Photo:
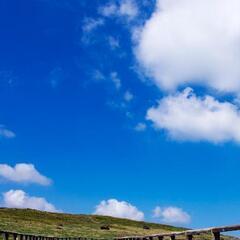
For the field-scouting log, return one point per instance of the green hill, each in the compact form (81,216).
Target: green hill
(69,225)
(72,225)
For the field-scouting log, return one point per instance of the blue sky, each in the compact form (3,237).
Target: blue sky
(123,100)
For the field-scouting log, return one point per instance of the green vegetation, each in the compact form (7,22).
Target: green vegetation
(69,225)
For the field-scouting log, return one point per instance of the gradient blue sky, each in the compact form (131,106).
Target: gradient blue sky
(72,122)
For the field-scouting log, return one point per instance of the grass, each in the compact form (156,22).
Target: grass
(69,225)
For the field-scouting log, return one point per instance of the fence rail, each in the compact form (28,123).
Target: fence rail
(189,234)
(215,231)
(25,236)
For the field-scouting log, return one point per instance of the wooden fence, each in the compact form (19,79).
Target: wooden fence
(215,231)
(20,236)
(189,234)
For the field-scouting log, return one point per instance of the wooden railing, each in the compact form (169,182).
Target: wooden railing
(189,234)
(20,236)
(215,231)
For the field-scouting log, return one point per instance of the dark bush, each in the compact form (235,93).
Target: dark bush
(105,227)
(146,227)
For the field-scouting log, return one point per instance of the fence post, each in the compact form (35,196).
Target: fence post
(5,236)
(15,236)
(216,235)
(189,237)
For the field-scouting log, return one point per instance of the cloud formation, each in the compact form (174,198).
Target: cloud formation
(91,24)
(121,209)
(6,133)
(171,215)
(184,116)
(187,42)
(125,8)
(23,173)
(19,199)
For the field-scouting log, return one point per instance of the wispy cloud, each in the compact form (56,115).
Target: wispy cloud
(128,96)
(116,80)
(6,133)
(127,9)
(97,75)
(113,42)
(140,127)
(90,24)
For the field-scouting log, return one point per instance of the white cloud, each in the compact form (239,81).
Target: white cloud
(121,209)
(19,199)
(171,215)
(140,127)
(187,117)
(116,80)
(23,173)
(125,8)
(109,9)
(128,8)
(6,133)
(187,41)
(128,96)
(91,24)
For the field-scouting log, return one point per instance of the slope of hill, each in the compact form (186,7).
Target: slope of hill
(69,225)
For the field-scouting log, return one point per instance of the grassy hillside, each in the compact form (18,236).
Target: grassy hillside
(58,224)
(69,225)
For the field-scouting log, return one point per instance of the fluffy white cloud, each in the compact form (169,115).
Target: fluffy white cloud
(124,8)
(187,41)
(171,215)
(121,209)
(19,199)
(187,117)
(6,133)
(23,173)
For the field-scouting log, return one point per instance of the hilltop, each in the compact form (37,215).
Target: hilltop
(74,225)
